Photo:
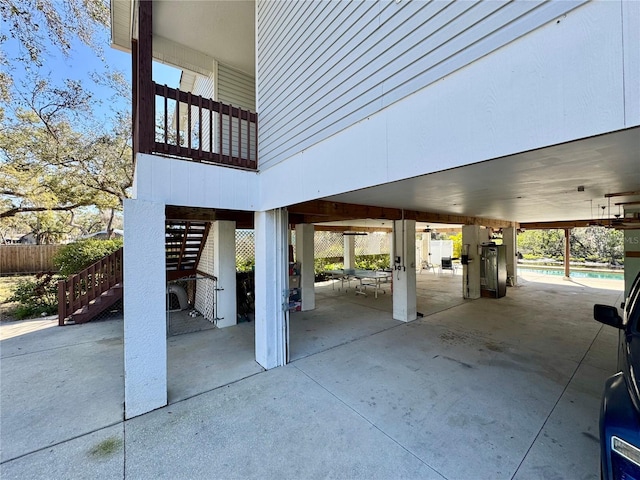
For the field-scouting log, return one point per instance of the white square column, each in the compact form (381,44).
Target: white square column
(404,274)
(224,269)
(473,236)
(510,241)
(349,242)
(145,321)
(271,284)
(304,255)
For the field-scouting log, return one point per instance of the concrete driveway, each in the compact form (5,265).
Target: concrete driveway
(492,388)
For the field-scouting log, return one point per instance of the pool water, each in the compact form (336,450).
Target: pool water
(574,273)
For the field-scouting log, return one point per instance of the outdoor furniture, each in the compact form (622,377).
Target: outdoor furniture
(367,278)
(342,275)
(446,263)
(427,266)
(371,278)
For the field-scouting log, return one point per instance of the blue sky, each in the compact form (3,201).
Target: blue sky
(82,62)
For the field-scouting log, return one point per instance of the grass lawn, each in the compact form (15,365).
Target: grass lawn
(6,289)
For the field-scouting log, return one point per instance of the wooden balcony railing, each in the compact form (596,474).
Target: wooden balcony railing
(203,130)
(80,289)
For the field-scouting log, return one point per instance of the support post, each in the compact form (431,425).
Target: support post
(472,235)
(567,253)
(224,268)
(349,253)
(271,284)
(145,95)
(304,254)
(510,241)
(404,275)
(145,324)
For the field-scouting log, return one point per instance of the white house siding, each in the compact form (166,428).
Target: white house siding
(203,86)
(566,80)
(238,89)
(323,66)
(234,88)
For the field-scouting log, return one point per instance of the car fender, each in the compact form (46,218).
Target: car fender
(618,417)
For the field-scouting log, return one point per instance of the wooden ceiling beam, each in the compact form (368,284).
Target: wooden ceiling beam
(318,211)
(619,224)
(558,225)
(344,228)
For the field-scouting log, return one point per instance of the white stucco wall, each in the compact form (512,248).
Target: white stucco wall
(180,182)
(145,327)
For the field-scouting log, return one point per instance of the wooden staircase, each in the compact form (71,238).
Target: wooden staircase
(87,294)
(184,242)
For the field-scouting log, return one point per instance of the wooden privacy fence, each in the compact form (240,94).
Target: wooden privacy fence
(27,258)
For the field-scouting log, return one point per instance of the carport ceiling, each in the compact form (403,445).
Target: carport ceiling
(535,186)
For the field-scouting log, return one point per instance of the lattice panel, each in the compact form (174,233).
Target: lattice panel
(375,243)
(328,244)
(245,246)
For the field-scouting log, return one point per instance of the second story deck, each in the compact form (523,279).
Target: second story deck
(177,123)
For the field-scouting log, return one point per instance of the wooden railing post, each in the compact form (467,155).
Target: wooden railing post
(62,302)
(146,94)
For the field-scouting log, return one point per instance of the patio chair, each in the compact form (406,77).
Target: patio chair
(427,266)
(447,264)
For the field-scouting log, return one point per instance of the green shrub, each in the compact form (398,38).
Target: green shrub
(246,265)
(372,262)
(323,264)
(75,257)
(35,297)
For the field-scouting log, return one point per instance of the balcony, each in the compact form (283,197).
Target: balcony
(171,122)
(203,130)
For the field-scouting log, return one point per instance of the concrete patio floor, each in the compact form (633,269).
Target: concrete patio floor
(490,388)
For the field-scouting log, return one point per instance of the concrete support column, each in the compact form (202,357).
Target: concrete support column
(304,255)
(271,280)
(510,241)
(426,247)
(349,251)
(404,277)
(567,252)
(472,236)
(145,323)
(224,268)
(631,258)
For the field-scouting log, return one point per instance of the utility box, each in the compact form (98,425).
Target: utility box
(493,271)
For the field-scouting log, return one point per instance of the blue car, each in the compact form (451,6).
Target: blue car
(620,413)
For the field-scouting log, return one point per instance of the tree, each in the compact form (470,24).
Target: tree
(592,244)
(59,164)
(39,24)
(50,164)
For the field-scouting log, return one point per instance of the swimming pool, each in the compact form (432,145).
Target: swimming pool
(575,273)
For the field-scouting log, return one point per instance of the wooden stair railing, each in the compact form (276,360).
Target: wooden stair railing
(184,242)
(79,290)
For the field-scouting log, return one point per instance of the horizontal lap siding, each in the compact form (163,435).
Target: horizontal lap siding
(203,86)
(323,66)
(238,89)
